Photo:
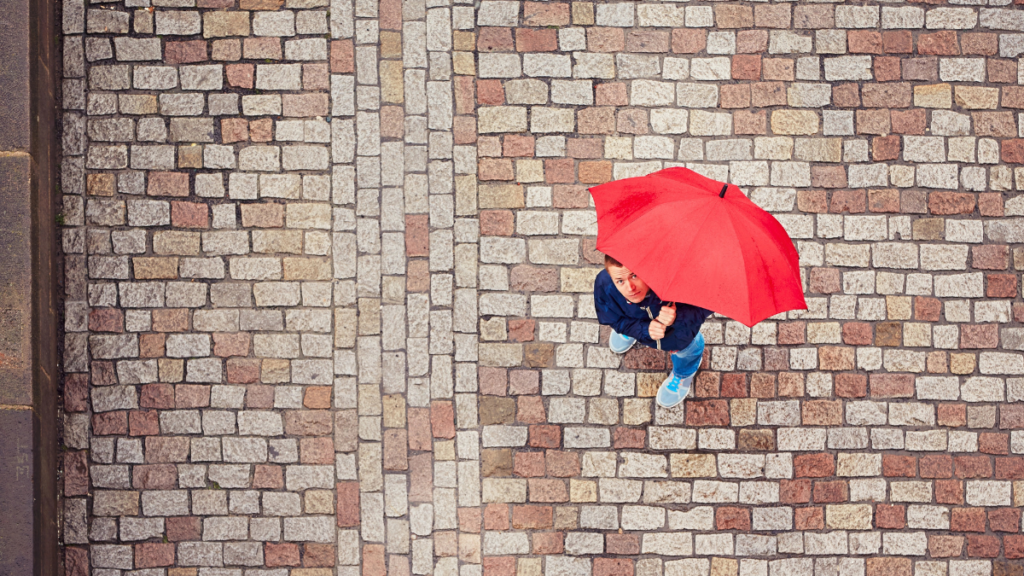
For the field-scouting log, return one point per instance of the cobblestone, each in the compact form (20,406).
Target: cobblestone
(398,368)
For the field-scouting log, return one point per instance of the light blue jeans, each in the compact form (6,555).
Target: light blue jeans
(686,361)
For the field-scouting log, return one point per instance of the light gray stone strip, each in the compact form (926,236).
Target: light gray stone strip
(453,239)
(358,466)
(73,245)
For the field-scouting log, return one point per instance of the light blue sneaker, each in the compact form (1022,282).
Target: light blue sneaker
(674,390)
(686,361)
(620,344)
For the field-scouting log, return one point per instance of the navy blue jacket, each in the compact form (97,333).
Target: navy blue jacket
(633,320)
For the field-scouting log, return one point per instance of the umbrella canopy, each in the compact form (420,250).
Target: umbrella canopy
(701,242)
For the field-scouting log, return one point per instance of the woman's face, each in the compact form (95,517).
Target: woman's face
(630,286)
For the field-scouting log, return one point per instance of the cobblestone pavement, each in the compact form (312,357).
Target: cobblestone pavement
(328,273)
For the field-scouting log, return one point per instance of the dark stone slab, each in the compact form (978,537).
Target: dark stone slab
(28,310)
(17,496)
(16,281)
(15,75)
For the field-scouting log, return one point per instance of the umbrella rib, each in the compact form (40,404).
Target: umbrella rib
(699,233)
(700,227)
(739,219)
(693,240)
(757,260)
(769,278)
(761,263)
(743,261)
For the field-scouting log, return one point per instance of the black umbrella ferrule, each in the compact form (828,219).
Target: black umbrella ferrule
(724,188)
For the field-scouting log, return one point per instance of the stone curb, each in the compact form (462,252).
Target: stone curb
(28,317)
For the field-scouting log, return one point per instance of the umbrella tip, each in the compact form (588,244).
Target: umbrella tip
(724,188)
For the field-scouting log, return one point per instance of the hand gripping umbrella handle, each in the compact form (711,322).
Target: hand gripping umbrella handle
(658,342)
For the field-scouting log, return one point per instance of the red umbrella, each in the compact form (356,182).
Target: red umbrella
(701,242)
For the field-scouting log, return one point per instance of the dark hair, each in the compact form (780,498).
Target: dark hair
(610,262)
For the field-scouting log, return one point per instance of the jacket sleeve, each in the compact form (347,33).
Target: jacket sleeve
(688,320)
(606,314)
